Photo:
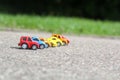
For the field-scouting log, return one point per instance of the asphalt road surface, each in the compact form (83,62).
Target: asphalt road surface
(85,58)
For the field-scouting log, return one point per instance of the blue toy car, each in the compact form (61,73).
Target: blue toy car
(42,44)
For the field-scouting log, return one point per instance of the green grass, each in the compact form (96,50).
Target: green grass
(61,24)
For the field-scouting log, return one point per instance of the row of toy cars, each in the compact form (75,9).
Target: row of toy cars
(56,40)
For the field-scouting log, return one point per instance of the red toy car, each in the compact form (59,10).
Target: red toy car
(27,43)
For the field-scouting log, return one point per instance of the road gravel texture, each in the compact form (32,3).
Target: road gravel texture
(85,58)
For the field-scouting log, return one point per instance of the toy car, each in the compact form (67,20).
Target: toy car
(55,41)
(27,43)
(42,44)
(50,42)
(46,41)
(62,38)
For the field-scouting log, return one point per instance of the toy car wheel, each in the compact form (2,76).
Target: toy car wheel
(58,44)
(64,43)
(42,46)
(24,46)
(34,47)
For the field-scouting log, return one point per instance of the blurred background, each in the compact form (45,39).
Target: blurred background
(85,16)
(96,9)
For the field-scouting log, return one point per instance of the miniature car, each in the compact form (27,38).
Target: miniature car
(27,43)
(50,42)
(42,44)
(55,41)
(62,38)
(46,41)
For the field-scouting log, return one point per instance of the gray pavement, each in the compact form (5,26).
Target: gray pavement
(85,58)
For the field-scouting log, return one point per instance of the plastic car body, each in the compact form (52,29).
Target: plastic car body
(27,43)
(62,38)
(42,43)
(46,41)
(55,41)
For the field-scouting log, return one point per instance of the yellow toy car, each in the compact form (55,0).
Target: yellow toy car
(49,42)
(55,41)
(62,38)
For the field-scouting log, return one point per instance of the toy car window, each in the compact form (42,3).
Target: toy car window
(29,39)
(53,39)
(42,39)
(24,39)
(58,36)
(62,37)
(36,39)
